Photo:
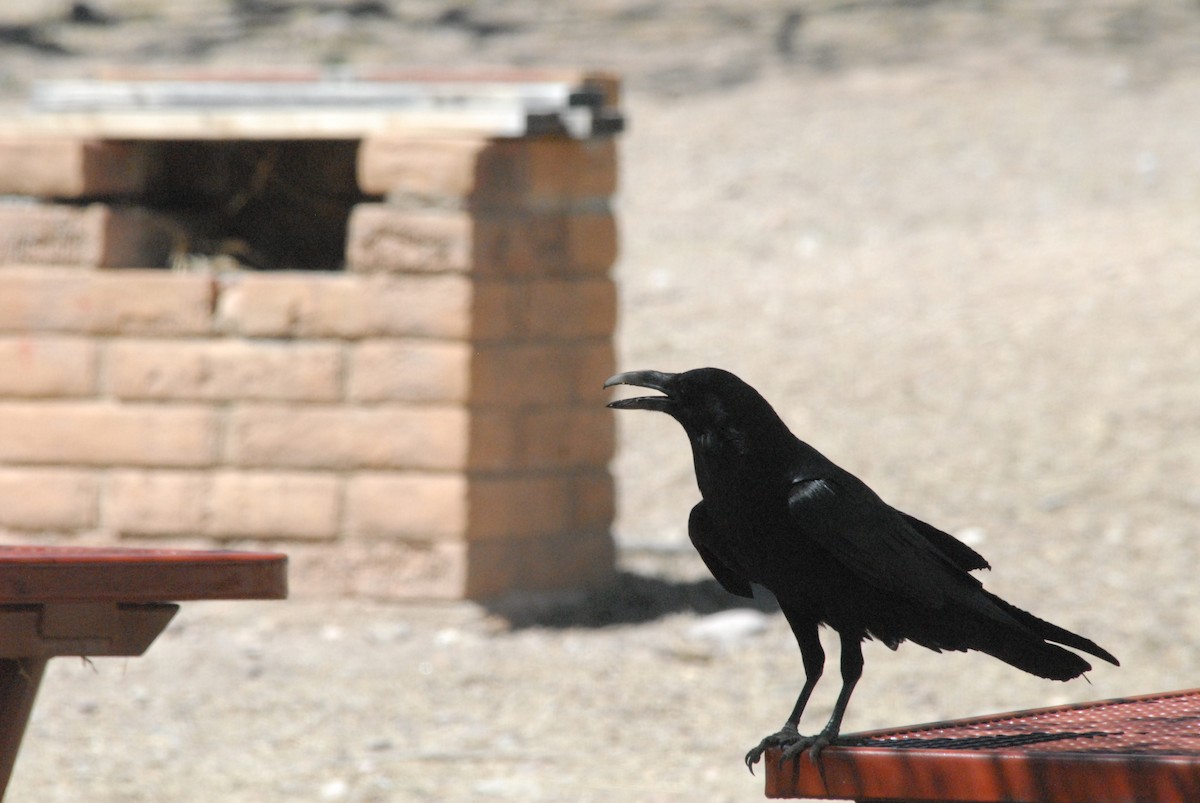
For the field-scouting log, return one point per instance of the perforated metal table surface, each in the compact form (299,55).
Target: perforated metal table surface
(1126,749)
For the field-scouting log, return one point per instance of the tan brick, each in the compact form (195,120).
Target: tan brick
(47,366)
(224,370)
(446,570)
(582,168)
(558,309)
(544,309)
(222,504)
(383,569)
(516,506)
(38,499)
(560,561)
(155,503)
(450,167)
(391,239)
(594,501)
(487,171)
(388,239)
(103,433)
(564,437)
(536,244)
(95,235)
(412,505)
(72,168)
(590,363)
(409,370)
(40,299)
(417,437)
(594,241)
(274,505)
(494,439)
(535,374)
(338,305)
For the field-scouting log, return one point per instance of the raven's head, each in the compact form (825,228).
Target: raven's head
(700,399)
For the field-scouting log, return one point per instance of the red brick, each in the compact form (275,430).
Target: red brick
(408,437)
(47,367)
(39,499)
(103,433)
(388,239)
(409,370)
(338,305)
(488,171)
(72,168)
(412,505)
(274,505)
(155,302)
(93,236)
(224,370)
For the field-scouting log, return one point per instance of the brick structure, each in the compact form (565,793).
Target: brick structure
(424,422)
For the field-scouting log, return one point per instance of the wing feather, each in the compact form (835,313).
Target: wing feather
(700,530)
(875,541)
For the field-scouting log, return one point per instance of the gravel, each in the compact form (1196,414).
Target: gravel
(957,244)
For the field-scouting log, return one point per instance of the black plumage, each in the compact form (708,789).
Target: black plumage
(776,512)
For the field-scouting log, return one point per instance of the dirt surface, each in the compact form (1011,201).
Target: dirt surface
(957,244)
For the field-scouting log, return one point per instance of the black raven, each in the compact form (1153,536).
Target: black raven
(777,512)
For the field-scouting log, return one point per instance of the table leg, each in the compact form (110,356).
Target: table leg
(19,681)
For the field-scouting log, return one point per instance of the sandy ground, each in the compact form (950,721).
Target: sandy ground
(957,244)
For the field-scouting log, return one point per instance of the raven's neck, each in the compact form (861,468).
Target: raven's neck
(734,459)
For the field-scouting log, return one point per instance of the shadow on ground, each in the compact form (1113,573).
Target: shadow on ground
(630,598)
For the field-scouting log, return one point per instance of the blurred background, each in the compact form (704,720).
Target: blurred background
(957,244)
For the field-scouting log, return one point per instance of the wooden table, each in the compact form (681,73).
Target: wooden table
(1126,749)
(90,602)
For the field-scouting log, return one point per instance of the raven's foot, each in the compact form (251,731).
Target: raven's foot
(793,744)
(787,738)
(814,744)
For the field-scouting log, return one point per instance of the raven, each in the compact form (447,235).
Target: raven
(776,512)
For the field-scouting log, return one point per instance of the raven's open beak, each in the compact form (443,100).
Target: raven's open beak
(655,380)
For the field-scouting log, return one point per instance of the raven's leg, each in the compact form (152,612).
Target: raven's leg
(852,668)
(813,657)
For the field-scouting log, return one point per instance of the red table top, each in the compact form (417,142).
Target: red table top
(1133,748)
(31,574)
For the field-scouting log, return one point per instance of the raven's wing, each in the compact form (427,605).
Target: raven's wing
(875,541)
(702,533)
(963,556)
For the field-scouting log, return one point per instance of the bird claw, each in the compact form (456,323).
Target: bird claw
(793,745)
(787,737)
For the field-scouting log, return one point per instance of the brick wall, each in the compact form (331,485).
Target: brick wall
(425,423)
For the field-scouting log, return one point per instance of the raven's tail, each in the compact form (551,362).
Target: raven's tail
(1028,647)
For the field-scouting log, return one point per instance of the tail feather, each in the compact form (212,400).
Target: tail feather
(1014,636)
(1052,632)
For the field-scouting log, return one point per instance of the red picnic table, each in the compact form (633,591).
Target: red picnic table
(103,601)
(1125,749)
